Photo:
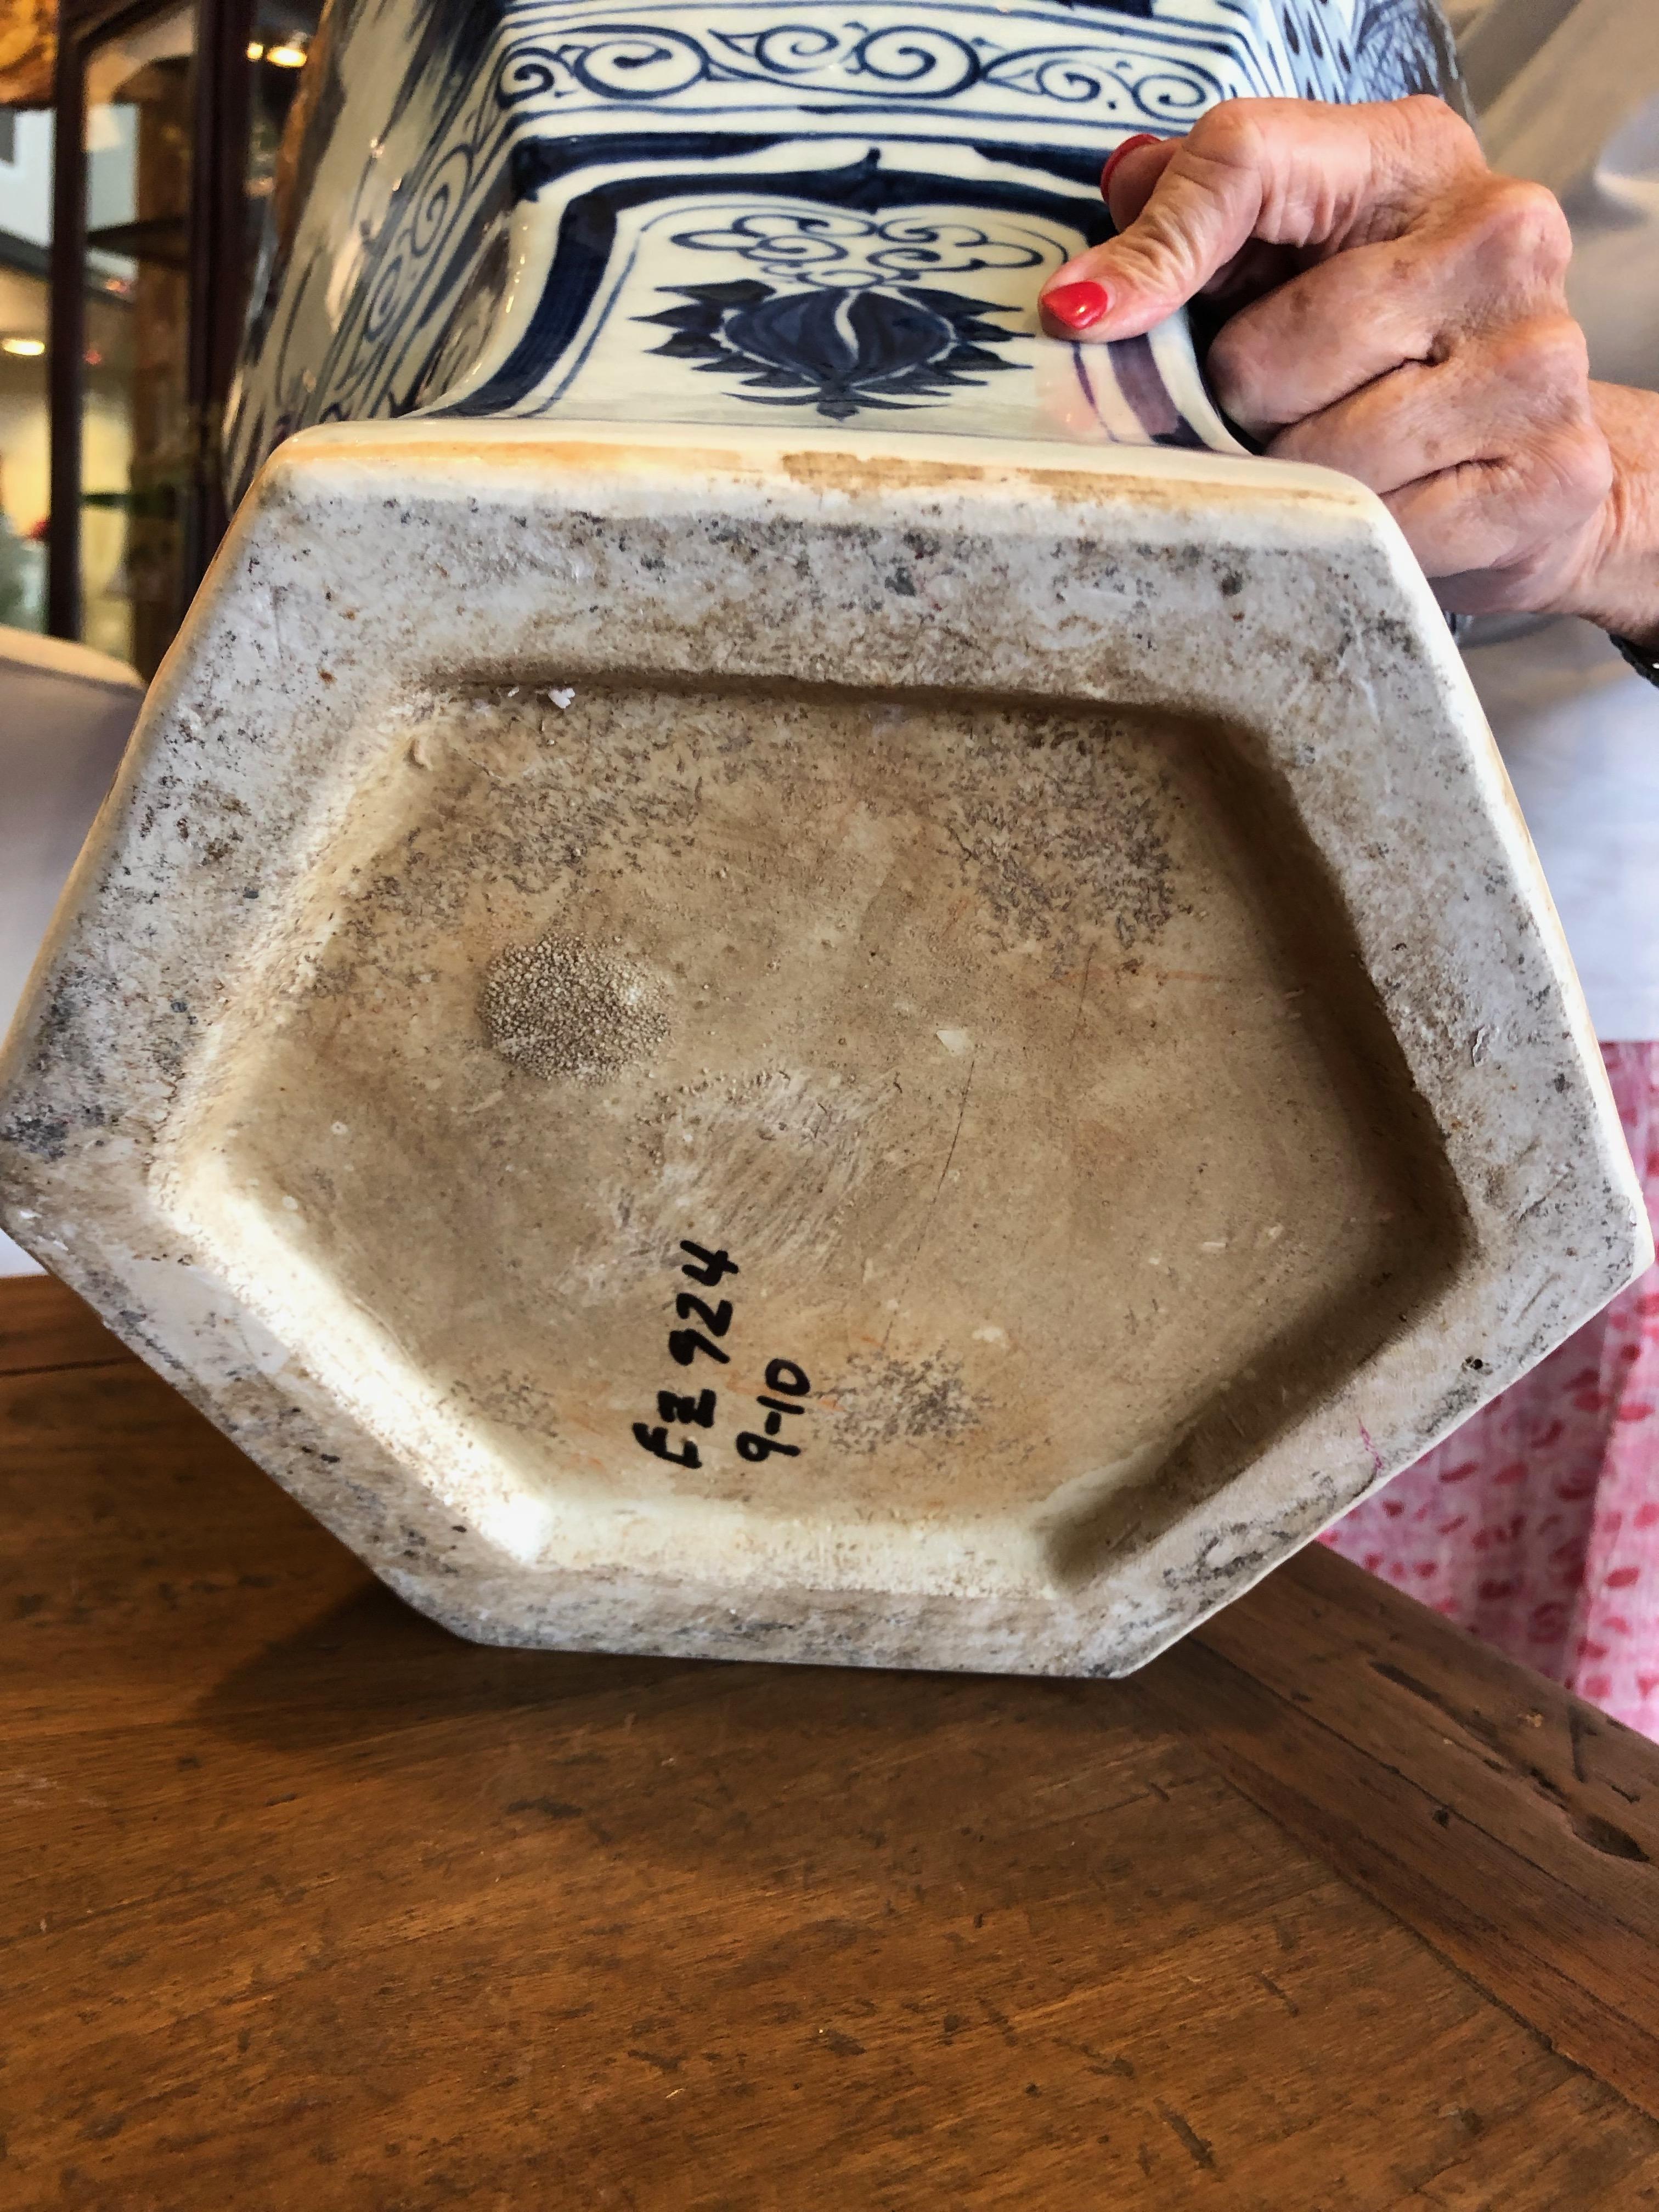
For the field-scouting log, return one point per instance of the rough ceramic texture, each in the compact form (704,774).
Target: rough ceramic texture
(1056,921)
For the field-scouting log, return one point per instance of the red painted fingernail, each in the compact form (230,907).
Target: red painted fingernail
(1140,138)
(1077,305)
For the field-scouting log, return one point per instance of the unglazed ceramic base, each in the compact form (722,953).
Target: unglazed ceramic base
(1010,990)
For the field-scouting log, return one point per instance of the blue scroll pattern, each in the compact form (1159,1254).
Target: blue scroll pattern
(1136,82)
(833,249)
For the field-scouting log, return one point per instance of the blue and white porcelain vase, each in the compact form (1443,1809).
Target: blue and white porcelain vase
(692,212)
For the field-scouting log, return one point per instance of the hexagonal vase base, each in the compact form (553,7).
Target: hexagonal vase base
(852,1048)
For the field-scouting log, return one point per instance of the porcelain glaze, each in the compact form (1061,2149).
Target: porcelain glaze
(801,976)
(691,213)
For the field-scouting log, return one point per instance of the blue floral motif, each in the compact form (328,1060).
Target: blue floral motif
(834,352)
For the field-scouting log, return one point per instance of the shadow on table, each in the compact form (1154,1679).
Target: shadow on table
(373,1664)
(1015,1790)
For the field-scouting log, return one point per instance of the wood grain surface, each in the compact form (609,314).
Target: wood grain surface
(306,1904)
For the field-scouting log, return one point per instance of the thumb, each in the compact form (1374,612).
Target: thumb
(1293,173)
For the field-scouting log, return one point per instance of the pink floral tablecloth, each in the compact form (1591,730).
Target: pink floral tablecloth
(1536,1524)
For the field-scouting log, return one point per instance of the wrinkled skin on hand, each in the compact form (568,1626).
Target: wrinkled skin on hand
(1396,311)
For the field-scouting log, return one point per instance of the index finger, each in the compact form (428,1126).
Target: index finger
(1293,173)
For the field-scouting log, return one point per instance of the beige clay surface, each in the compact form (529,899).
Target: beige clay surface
(987,1043)
(610,959)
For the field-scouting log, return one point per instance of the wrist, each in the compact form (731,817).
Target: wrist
(1618,587)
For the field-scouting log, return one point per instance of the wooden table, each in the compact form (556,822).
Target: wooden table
(309,1906)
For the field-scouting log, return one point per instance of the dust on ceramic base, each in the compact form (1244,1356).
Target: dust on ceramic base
(1111,1109)
(913,1012)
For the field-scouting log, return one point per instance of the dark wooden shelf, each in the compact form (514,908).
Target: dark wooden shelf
(163,239)
(1330,1910)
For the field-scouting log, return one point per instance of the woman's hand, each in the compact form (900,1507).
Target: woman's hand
(1401,315)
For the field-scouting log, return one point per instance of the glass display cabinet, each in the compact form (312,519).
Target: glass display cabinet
(170,116)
